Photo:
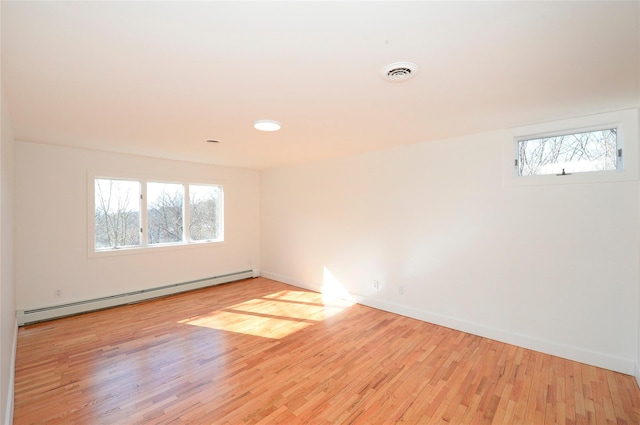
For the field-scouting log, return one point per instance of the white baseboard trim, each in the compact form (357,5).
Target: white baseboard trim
(582,355)
(8,417)
(637,374)
(26,316)
(285,279)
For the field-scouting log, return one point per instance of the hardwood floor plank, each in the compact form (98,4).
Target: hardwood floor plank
(262,352)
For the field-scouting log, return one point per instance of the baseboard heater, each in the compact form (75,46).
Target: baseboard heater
(26,317)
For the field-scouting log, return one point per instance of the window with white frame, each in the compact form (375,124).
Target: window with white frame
(138,214)
(117,213)
(165,213)
(205,218)
(565,154)
(590,149)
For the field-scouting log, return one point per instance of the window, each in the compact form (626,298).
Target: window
(205,219)
(165,213)
(590,149)
(138,214)
(564,154)
(117,213)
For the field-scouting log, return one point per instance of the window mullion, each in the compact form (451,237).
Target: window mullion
(186,215)
(143,214)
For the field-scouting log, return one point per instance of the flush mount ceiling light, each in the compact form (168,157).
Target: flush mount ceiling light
(399,71)
(266,125)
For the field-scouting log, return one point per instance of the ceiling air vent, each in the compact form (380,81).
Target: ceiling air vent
(399,71)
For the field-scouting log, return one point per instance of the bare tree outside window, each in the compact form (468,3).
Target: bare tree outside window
(205,212)
(573,153)
(117,213)
(165,203)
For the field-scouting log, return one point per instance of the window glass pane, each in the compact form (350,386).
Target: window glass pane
(164,212)
(205,212)
(573,153)
(117,213)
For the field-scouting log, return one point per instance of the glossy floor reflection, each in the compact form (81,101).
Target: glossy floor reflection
(262,352)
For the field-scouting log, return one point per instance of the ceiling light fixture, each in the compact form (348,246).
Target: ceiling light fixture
(266,125)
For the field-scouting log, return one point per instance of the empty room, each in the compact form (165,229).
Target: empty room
(320,212)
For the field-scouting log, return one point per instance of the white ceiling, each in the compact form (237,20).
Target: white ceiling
(160,78)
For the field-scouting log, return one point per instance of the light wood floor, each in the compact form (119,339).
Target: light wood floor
(262,352)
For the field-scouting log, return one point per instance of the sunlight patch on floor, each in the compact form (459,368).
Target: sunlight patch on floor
(266,327)
(273,316)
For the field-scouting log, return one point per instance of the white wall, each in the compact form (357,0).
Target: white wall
(52,212)
(8,325)
(637,368)
(550,267)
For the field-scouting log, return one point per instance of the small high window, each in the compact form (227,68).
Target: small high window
(565,154)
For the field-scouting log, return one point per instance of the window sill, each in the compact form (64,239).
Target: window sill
(151,249)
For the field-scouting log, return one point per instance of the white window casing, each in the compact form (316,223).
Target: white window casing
(193,222)
(621,126)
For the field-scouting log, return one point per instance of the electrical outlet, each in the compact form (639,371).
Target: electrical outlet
(401,289)
(376,284)
(58,293)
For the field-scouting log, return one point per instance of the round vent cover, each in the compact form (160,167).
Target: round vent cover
(399,71)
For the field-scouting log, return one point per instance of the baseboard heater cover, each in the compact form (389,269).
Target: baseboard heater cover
(26,317)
